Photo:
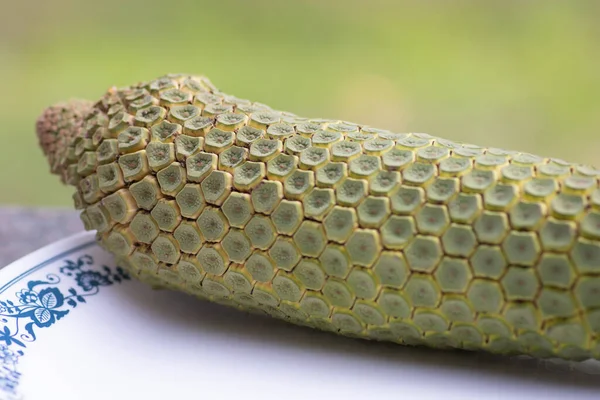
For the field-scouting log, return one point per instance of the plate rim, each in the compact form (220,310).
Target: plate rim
(68,244)
(12,345)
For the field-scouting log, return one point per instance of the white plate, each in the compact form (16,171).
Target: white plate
(74,327)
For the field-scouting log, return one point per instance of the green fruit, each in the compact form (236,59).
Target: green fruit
(402,237)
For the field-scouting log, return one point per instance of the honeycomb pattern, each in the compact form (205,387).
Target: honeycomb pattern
(402,237)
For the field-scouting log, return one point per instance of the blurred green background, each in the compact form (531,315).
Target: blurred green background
(522,75)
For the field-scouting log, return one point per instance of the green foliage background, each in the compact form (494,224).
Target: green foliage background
(515,74)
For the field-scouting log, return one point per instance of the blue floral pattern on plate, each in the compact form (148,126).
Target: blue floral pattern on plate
(41,303)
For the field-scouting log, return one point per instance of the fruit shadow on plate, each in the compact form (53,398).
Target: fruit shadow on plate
(186,312)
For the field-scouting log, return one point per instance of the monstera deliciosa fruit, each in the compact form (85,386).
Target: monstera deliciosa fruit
(368,233)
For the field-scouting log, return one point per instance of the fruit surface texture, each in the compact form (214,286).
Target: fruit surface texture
(402,237)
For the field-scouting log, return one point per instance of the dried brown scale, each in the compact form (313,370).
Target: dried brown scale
(402,237)
(58,126)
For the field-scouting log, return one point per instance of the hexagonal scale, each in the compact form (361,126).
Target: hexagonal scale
(453,275)
(424,253)
(281,166)
(213,259)
(364,246)
(287,217)
(364,166)
(331,174)
(457,309)
(313,158)
(432,219)
(287,287)
(232,158)
(587,291)
(190,200)
(488,262)
(391,269)
(213,224)
(465,207)
(171,179)
(521,248)
(260,231)
(200,165)
(423,291)
(216,187)
(338,293)
(485,295)
(146,192)
(383,183)
(459,240)
(363,283)
(351,191)
(144,228)
(188,236)
(134,166)
(555,303)
(166,214)
(238,209)
(556,270)
(237,279)
(110,177)
(120,241)
(418,174)
(310,274)
(430,321)
(236,245)
(310,238)
(189,269)
(260,266)
(166,248)
(120,205)
(491,227)
(585,255)
(394,304)
(557,235)
(406,199)
(247,135)
(284,253)
(369,313)
(527,215)
(217,140)
(318,202)
(265,149)
(520,283)
(522,316)
(335,260)
(315,305)
(266,196)
(298,184)
(340,223)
